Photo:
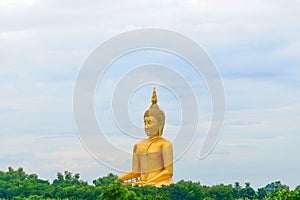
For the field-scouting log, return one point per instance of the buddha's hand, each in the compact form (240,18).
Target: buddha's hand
(145,183)
(141,182)
(150,183)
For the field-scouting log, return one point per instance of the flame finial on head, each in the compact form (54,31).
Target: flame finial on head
(154,97)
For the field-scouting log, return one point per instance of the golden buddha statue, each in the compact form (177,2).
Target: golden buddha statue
(152,161)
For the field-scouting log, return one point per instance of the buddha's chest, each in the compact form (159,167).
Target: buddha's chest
(149,147)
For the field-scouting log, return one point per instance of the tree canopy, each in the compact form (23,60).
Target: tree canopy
(16,184)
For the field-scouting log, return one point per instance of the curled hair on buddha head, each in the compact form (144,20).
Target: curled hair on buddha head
(155,112)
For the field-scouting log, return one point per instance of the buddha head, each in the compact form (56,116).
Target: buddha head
(154,118)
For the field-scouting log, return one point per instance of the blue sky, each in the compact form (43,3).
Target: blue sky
(254,44)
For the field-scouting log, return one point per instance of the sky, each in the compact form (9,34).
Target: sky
(254,45)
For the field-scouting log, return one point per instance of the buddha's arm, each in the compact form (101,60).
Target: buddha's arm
(129,175)
(167,157)
(135,173)
(164,174)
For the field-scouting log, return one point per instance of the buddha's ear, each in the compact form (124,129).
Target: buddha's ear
(160,130)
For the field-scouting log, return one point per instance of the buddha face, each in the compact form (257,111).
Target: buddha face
(151,126)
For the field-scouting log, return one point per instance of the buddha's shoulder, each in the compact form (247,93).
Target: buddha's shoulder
(147,141)
(163,140)
(141,143)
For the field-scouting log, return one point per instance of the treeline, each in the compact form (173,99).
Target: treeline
(16,184)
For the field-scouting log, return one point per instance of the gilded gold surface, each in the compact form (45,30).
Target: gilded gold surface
(152,160)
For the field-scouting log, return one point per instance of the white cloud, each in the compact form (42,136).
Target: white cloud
(8,3)
(254,44)
(290,50)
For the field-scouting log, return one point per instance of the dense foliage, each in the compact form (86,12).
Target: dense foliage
(16,184)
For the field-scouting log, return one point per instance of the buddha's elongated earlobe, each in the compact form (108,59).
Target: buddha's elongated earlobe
(160,131)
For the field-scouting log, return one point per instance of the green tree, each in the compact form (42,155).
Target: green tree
(247,192)
(271,187)
(236,190)
(145,190)
(280,194)
(261,193)
(69,186)
(220,192)
(106,180)
(68,179)
(184,190)
(116,190)
(296,193)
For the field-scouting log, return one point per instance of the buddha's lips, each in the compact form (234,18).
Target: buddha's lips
(148,131)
